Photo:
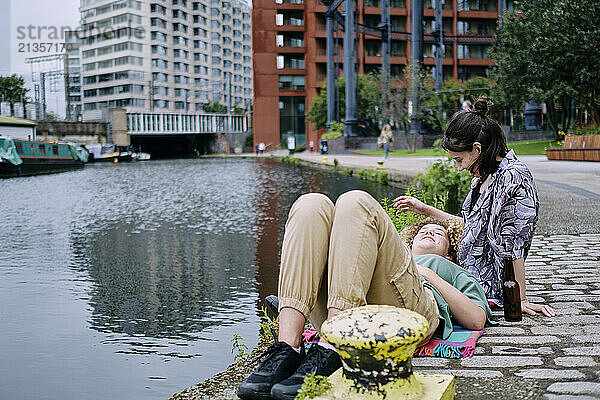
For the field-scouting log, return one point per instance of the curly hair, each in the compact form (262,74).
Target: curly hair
(454,229)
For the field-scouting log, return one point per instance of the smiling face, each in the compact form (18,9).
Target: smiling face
(431,239)
(465,159)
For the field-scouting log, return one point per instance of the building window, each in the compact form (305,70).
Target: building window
(472,51)
(158,63)
(290,61)
(161,23)
(160,104)
(466,73)
(291,82)
(160,90)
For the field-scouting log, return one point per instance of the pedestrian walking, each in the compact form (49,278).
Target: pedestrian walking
(385,139)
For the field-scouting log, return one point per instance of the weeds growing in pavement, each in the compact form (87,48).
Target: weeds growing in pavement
(269,327)
(313,386)
(238,348)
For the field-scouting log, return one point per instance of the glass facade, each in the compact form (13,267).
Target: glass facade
(292,119)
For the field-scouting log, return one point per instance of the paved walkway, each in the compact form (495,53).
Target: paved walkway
(569,191)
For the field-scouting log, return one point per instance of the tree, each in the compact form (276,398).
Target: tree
(12,89)
(547,51)
(51,116)
(215,107)
(399,93)
(369,99)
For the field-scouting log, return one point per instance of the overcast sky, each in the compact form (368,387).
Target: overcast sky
(44,17)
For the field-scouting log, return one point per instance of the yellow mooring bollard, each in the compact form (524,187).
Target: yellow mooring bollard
(376,344)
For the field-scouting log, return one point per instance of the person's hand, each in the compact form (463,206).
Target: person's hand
(409,203)
(424,271)
(531,308)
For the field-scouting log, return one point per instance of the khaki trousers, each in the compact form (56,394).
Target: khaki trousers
(347,255)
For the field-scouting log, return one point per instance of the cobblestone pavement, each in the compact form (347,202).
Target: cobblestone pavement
(539,357)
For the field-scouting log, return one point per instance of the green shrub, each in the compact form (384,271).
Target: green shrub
(336,130)
(362,173)
(299,149)
(331,135)
(290,160)
(587,130)
(249,141)
(402,219)
(442,180)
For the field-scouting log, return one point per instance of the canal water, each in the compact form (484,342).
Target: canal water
(128,281)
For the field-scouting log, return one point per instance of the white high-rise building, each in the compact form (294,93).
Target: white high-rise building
(164,55)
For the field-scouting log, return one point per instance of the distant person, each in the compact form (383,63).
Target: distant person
(256,149)
(311,145)
(385,139)
(501,210)
(261,147)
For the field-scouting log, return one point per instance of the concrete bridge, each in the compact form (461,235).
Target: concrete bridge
(178,134)
(185,124)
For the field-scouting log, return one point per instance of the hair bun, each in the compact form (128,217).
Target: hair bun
(481,106)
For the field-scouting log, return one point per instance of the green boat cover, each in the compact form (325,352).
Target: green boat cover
(78,152)
(8,151)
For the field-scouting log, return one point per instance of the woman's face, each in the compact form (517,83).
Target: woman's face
(431,239)
(465,159)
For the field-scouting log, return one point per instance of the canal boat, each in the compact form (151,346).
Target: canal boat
(109,152)
(141,156)
(19,157)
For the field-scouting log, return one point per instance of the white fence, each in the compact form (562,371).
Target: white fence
(172,123)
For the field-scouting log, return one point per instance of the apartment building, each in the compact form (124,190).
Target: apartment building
(290,53)
(164,55)
(72,72)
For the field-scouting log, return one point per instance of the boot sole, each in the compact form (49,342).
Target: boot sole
(248,394)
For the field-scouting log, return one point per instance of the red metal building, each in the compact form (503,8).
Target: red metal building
(290,57)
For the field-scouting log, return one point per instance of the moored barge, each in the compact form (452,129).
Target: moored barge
(20,157)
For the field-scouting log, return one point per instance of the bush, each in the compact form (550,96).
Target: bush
(249,141)
(402,219)
(336,130)
(442,180)
(587,130)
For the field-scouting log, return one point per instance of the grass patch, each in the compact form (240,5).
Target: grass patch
(522,148)
(430,152)
(532,147)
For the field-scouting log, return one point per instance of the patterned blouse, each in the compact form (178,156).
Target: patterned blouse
(500,224)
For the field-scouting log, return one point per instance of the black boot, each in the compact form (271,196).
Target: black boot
(319,360)
(279,363)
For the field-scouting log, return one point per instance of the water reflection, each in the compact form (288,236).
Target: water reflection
(169,282)
(280,186)
(115,275)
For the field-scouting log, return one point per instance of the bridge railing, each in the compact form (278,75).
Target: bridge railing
(174,123)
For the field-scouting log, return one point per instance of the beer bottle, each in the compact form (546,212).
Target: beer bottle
(511,293)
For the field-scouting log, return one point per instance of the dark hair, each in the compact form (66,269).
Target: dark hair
(469,126)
